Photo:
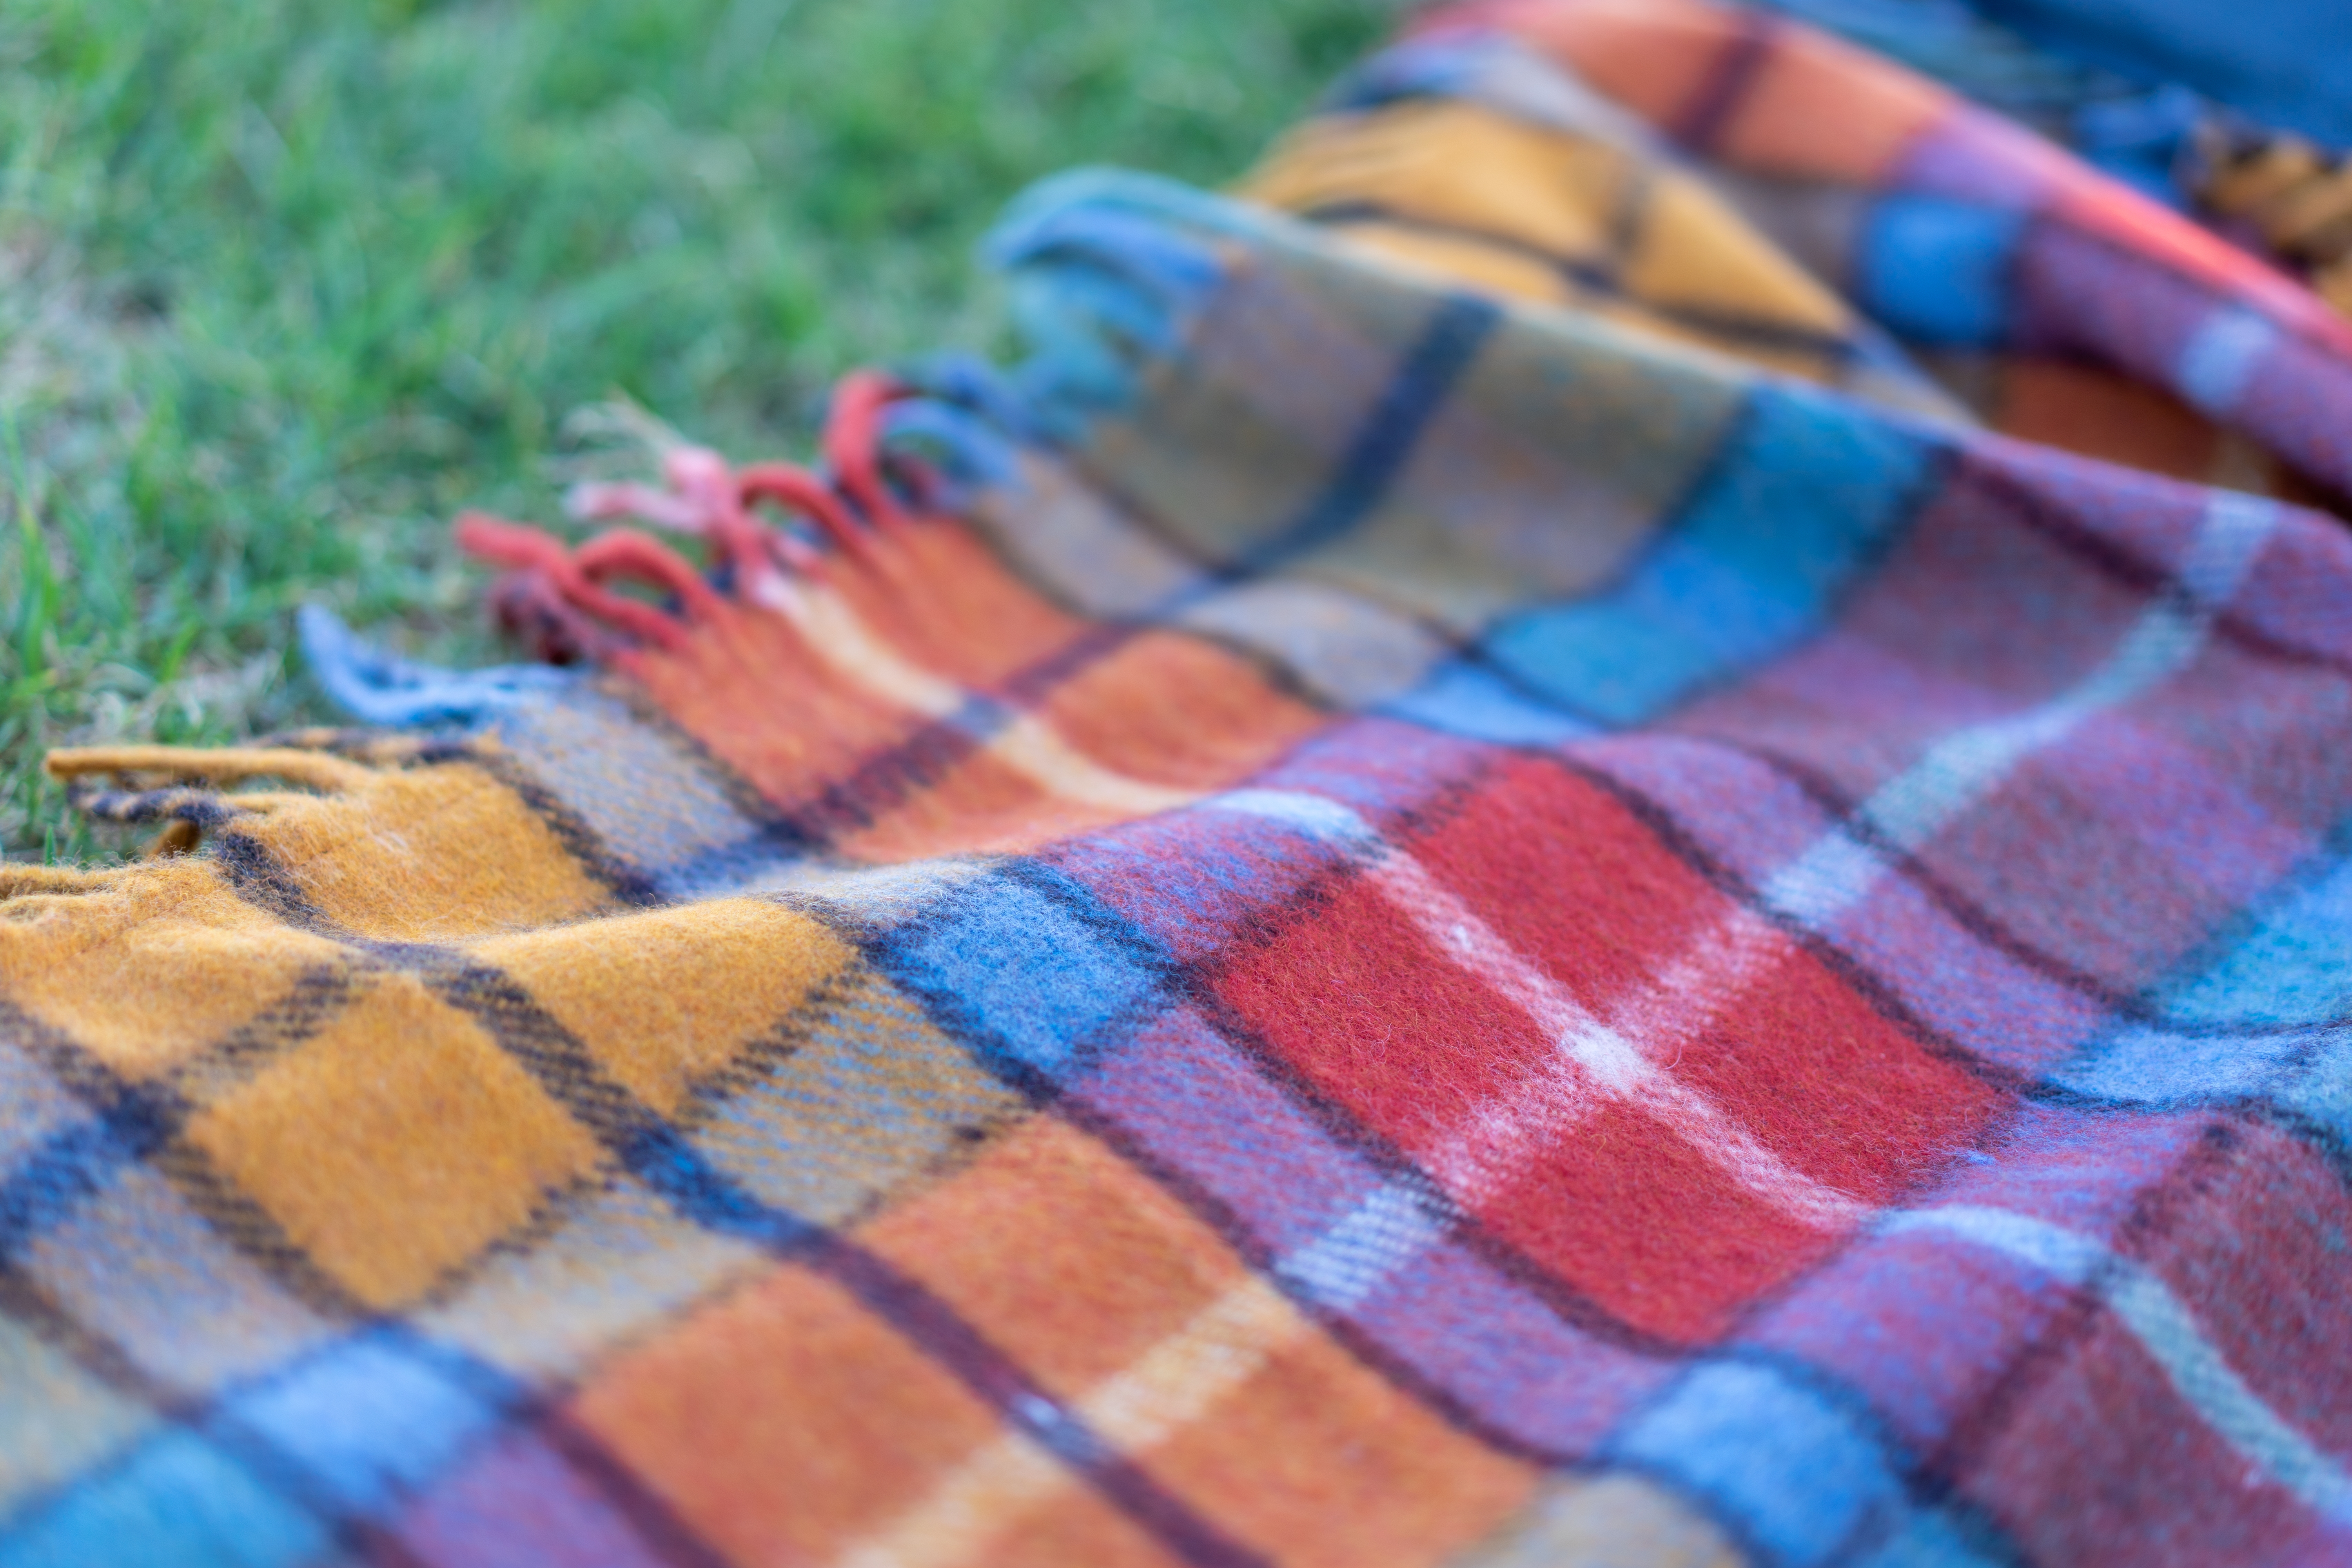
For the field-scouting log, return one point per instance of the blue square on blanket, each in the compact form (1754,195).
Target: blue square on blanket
(368,1419)
(1027,967)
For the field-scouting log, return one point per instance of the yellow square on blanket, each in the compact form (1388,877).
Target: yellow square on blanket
(396,1144)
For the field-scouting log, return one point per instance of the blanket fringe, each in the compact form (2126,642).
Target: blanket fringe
(225,765)
(177,785)
(23,881)
(562,601)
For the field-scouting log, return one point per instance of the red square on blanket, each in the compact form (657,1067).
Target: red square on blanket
(1656,1097)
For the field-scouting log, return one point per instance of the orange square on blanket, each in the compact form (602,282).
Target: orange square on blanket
(1068,1259)
(1177,711)
(785,1420)
(1153,1335)
(1775,124)
(2096,412)
(1655,56)
(940,601)
(1324,1463)
(1151,726)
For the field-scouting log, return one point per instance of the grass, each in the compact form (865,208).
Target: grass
(285,283)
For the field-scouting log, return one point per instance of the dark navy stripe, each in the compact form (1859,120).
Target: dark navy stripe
(1709,114)
(626,883)
(884,781)
(76,1164)
(132,1122)
(1194,985)
(657,1154)
(729,865)
(255,875)
(139,1122)
(896,774)
(273,1463)
(198,807)
(1732,326)
(1386,439)
(980,718)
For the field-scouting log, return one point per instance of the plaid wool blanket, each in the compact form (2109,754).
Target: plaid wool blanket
(1472,879)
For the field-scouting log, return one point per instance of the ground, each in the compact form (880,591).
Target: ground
(285,283)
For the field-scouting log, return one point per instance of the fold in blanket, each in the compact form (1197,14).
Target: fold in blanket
(1471,880)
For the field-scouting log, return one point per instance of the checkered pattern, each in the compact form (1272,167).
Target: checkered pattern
(1424,932)
(1622,149)
(1480,161)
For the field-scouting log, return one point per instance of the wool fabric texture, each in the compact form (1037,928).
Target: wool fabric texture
(1470,880)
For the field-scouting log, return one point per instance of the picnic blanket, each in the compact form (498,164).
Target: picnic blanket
(2107,74)
(2265,162)
(1762,189)
(1508,901)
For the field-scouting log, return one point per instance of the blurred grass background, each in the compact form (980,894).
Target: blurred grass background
(285,283)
